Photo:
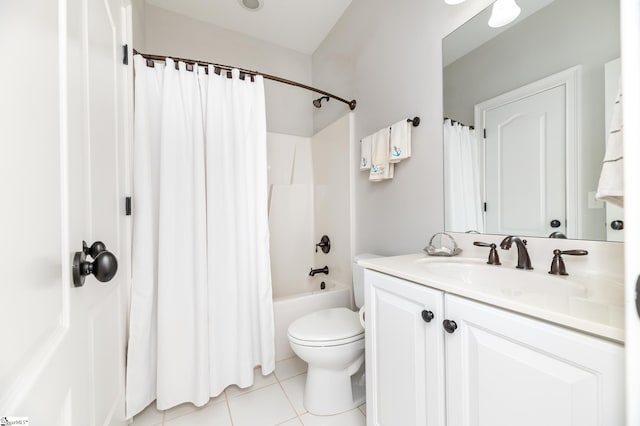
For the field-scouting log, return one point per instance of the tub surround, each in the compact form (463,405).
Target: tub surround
(595,303)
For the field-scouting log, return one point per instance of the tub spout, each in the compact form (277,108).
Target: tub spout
(324,270)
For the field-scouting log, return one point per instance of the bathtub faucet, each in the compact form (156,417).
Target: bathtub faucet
(324,270)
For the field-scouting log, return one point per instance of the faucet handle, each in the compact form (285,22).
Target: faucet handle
(494,259)
(557,264)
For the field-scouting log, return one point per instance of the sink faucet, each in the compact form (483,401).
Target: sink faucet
(324,270)
(524,262)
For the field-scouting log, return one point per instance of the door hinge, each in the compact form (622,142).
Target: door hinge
(127,206)
(484,207)
(484,133)
(125,54)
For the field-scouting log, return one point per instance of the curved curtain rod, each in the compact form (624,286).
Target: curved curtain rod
(456,121)
(351,103)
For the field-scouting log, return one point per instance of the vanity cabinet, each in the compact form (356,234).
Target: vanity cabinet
(404,353)
(491,368)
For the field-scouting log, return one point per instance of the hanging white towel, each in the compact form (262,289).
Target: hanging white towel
(611,185)
(365,152)
(400,142)
(381,169)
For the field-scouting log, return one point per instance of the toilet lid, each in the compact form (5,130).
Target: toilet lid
(327,325)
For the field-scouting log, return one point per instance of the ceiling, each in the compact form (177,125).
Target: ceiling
(300,25)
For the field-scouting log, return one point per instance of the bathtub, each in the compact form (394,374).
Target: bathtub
(289,308)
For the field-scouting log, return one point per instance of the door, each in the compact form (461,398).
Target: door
(63,124)
(630,51)
(404,352)
(525,165)
(504,369)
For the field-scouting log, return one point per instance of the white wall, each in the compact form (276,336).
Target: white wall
(289,109)
(388,56)
(138,23)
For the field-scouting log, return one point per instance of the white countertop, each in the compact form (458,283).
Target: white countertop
(589,303)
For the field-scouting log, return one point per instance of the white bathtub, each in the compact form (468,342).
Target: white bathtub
(289,308)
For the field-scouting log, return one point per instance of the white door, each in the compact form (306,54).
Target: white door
(404,353)
(525,165)
(614,214)
(504,369)
(63,126)
(630,51)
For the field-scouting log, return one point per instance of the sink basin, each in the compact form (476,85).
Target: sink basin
(503,279)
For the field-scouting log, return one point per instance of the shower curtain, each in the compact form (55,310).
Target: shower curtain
(463,179)
(201,306)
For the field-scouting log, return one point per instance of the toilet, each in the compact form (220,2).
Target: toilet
(331,341)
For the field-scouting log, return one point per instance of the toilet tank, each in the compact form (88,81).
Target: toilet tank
(358,277)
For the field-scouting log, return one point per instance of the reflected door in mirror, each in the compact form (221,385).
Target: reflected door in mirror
(525,165)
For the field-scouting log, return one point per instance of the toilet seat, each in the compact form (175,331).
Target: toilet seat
(328,327)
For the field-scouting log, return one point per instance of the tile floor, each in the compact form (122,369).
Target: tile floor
(272,400)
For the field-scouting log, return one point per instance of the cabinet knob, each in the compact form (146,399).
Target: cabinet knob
(449,326)
(427,316)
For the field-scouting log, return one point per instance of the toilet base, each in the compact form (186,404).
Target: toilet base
(329,392)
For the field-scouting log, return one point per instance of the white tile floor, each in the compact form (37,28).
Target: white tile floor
(272,400)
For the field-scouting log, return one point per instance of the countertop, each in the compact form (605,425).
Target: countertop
(590,303)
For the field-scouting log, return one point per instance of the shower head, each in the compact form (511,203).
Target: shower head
(318,102)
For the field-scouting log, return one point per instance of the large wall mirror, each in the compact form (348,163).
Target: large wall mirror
(528,108)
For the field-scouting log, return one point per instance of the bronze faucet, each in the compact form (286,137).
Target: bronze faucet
(524,262)
(324,270)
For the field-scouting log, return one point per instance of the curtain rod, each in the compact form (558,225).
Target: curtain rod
(456,121)
(351,103)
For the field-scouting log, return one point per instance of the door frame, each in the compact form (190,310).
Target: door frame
(630,53)
(570,78)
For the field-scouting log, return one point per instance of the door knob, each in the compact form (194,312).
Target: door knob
(427,316)
(103,267)
(449,326)
(95,248)
(555,223)
(617,225)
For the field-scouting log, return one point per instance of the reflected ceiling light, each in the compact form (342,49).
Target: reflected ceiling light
(452,2)
(251,5)
(503,13)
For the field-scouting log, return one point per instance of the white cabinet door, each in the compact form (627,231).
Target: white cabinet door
(504,369)
(404,353)
(63,124)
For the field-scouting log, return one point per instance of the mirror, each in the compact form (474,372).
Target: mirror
(543,89)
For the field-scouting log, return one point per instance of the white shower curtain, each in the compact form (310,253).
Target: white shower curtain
(201,306)
(463,179)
